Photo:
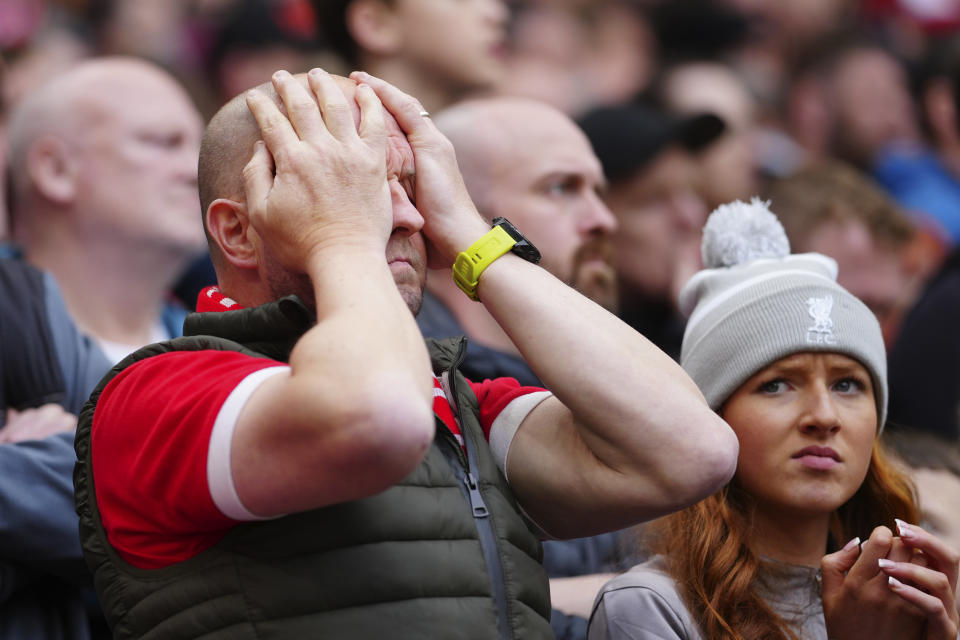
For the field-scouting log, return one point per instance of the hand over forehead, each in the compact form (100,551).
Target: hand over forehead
(348,88)
(232,132)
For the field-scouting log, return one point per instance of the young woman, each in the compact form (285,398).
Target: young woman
(796,366)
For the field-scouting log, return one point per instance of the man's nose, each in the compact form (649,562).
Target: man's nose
(596,218)
(406,217)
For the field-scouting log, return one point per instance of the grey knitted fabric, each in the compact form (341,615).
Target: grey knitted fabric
(746,316)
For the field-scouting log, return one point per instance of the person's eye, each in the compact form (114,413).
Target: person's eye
(778,385)
(849,385)
(562,187)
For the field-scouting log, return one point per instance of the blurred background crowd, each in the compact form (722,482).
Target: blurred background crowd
(844,114)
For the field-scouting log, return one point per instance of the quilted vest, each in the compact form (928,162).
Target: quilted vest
(442,554)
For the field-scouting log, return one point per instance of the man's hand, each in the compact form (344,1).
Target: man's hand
(451,221)
(36,424)
(315,181)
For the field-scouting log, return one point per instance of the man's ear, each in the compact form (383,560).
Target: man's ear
(52,169)
(373,25)
(229,227)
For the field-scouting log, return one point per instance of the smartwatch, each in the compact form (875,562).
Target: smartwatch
(503,237)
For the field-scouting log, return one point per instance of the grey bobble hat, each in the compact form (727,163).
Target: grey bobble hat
(755,303)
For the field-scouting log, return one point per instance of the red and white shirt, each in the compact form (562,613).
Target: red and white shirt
(161,441)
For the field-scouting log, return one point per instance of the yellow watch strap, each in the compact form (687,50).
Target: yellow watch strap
(470,263)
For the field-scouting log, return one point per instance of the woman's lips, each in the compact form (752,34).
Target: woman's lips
(820,458)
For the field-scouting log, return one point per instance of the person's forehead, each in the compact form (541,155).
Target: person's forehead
(539,143)
(140,101)
(400,162)
(811,360)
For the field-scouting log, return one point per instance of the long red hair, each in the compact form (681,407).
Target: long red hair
(710,552)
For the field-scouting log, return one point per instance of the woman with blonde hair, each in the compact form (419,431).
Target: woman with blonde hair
(796,365)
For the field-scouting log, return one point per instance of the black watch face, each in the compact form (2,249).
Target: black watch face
(527,251)
(524,248)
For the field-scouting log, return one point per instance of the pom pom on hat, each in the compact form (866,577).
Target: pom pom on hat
(741,232)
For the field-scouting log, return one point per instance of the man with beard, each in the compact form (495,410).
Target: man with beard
(528,162)
(302,464)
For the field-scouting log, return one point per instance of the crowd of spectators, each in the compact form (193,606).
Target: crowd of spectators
(605,130)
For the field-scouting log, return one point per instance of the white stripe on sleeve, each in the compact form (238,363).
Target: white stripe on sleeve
(505,426)
(219,473)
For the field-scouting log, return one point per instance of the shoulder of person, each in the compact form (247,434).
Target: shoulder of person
(642,602)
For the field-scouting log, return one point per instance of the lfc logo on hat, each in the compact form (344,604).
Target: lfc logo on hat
(822,330)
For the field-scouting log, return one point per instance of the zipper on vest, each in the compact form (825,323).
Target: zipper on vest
(476,499)
(488,537)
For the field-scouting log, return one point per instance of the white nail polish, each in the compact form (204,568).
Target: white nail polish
(893,582)
(885,564)
(904,529)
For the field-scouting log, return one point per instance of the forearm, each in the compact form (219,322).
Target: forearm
(365,335)
(633,409)
(354,414)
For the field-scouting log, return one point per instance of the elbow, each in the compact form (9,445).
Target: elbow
(721,461)
(711,464)
(398,429)
(412,429)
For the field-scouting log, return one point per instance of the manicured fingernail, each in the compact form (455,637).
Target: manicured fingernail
(904,530)
(893,582)
(851,544)
(277,75)
(885,564)
(316,72)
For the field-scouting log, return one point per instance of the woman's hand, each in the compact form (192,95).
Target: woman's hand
(857,599)
(928,580)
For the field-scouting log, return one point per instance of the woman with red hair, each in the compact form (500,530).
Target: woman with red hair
(796,365)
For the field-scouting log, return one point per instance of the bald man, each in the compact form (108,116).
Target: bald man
(526,161)
(103,183)
(301,464)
